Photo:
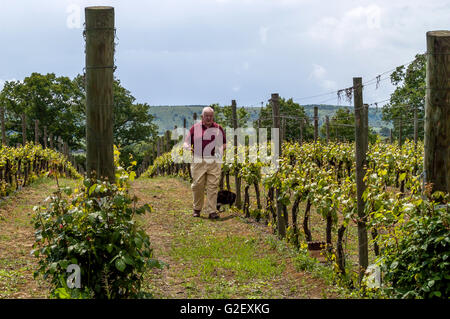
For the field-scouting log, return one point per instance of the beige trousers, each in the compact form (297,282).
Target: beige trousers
(207,175)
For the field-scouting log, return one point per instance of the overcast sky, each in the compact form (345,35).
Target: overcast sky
(174,52)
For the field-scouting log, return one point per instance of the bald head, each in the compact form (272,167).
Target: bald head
(208,116)
(207,109)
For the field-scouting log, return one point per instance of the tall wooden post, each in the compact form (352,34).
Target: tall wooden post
(158,146)
(316,123)
(281,225)
(360,158)
(45,136)
(100,34)
(391,136)
(167,141)
(283,129)
(327,126)
(36,132)
(66,149)
(400,132)
(2,115)
(236,178)
(437,111)
(24,129)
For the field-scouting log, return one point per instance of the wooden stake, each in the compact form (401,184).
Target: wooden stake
(360,172)
(45,137)
(437,111)
(281,225)
(236,177)
(99,92)
(36,132)
(327,126)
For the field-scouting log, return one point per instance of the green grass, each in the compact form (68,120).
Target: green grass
(225,266)
(16,237)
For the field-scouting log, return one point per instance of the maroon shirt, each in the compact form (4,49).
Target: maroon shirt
(199,133)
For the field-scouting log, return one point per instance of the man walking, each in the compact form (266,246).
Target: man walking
(207,141)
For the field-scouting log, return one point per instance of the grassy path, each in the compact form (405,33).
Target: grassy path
(17,237)
(225,258)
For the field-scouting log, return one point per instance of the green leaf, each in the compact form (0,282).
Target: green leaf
(92,189)
(437,293)
(138,242)
(128,260)
(120,264)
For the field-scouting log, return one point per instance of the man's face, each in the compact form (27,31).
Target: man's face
(208,118)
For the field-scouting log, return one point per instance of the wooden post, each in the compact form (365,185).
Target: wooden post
(45,136)
(236,178)
(158,146)
(391,136)
(316,123)
(2,115)
(281,226)
(167,141)
(100,34)
(327,126)
(360,158)
(66,149)
(36,132)
(400,131)
(24,129)
(283,129)
(437,112)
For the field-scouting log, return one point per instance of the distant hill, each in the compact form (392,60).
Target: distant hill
(166,117)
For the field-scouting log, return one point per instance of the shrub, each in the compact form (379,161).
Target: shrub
(93,227)
(418,267)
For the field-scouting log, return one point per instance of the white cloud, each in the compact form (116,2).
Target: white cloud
(359,27)
(318,75)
